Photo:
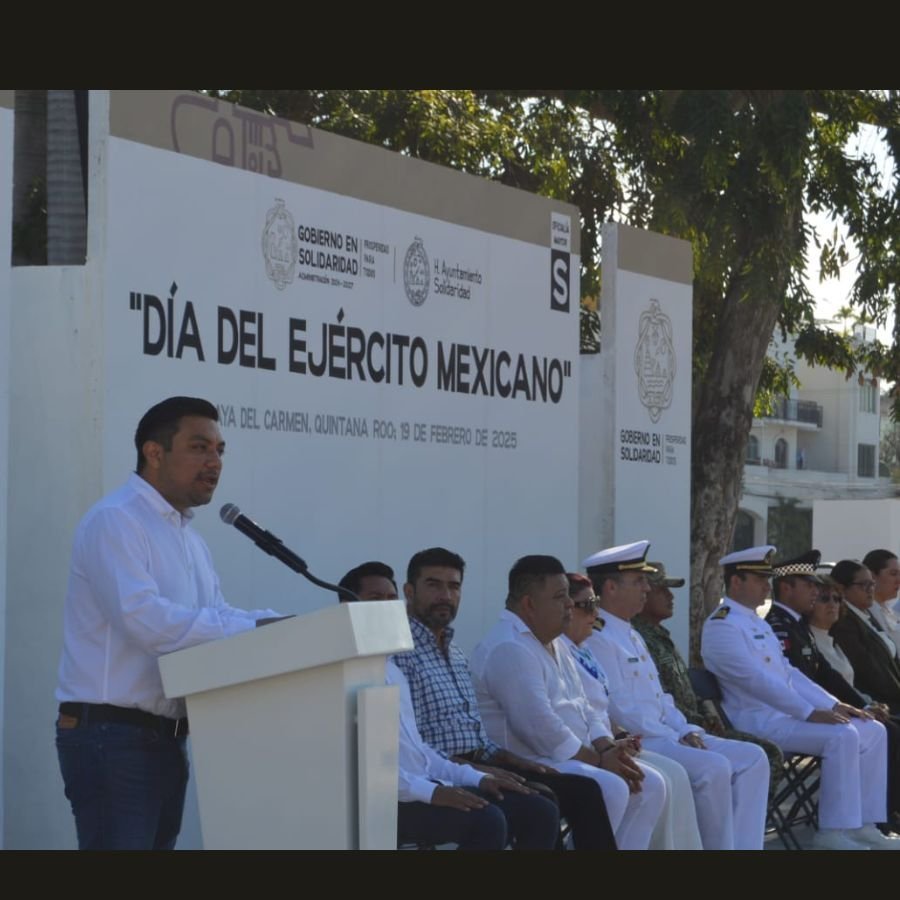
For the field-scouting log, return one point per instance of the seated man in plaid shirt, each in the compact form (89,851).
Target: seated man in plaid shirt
(446,709)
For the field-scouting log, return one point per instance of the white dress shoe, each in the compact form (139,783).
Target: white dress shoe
(874,839)
(837,839)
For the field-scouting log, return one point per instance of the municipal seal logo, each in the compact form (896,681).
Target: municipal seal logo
(279,245)
(654,360)
(416,273)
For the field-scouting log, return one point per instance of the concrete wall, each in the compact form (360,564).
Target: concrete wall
(74,398)
(849,529)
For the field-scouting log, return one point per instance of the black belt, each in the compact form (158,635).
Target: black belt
(89,713)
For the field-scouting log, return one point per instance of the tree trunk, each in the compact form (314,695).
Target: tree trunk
(723,416)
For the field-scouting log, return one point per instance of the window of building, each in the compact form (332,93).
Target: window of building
(743,531)
(789,528)
(752,456)
(781,453)
(865,460)
(868,396)
(50,178)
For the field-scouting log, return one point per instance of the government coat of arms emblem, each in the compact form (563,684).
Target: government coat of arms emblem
(280,245)
(654,360)
(416,273)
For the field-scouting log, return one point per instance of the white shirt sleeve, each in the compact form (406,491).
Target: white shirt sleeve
(422,769)
(115,559)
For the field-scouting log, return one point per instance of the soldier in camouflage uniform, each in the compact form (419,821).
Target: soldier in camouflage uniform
(673,673)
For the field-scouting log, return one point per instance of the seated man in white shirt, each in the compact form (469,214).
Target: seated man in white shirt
(730,779)
(532,701)
(441,802)
(764,694)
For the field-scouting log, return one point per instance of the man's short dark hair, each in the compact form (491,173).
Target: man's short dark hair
(434,556)
(352,581)
(160,423)
(846,570)
(876,560)
(529,572)
(598,579)
(778,581)
(730,572)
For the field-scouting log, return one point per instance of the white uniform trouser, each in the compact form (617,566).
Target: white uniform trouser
(853,789)
(632,816)
(676,828)
(730,781)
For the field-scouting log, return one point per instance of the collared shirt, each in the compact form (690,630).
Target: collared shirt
(442,694)
(637,699)
(673,673)
(421,768)
(835,656)
(531,696)
(758,683)
(865,616)
(884,614)
(593,680)
(141,584)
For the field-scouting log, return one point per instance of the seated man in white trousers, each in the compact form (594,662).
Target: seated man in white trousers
(730,779)
(532,701)
(764,694)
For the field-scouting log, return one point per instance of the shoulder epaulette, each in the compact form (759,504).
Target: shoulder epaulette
(721,612)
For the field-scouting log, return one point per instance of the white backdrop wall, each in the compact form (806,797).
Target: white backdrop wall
(642,484)
(205,231)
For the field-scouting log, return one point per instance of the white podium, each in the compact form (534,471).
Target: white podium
(294,732)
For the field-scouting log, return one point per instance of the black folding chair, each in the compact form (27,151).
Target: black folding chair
(795,800)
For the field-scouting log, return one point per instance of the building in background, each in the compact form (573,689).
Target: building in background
(819,443)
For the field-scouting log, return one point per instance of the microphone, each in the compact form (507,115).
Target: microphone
(265,540)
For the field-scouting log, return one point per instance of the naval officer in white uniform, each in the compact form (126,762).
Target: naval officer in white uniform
(764,694)
(730,779)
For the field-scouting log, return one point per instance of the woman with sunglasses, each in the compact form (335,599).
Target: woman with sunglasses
(862,639)
(826,610)
(676,828)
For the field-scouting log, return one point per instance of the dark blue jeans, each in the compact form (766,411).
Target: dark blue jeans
(478,829)
(126,785)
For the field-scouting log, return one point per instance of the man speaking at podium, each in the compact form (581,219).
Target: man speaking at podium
(141,584)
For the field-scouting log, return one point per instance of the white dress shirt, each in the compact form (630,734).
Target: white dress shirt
(834,656)
(422,769)
(886,616)
(141,584)
(637,699)
(593,680)
(879,617)
(531,697)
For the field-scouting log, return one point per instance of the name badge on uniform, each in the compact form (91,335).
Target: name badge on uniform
(759,637)
(807,651)
(632,659)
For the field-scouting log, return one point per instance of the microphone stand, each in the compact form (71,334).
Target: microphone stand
(275,547)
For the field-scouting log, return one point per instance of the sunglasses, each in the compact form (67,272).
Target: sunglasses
(830,598)
(589,605)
